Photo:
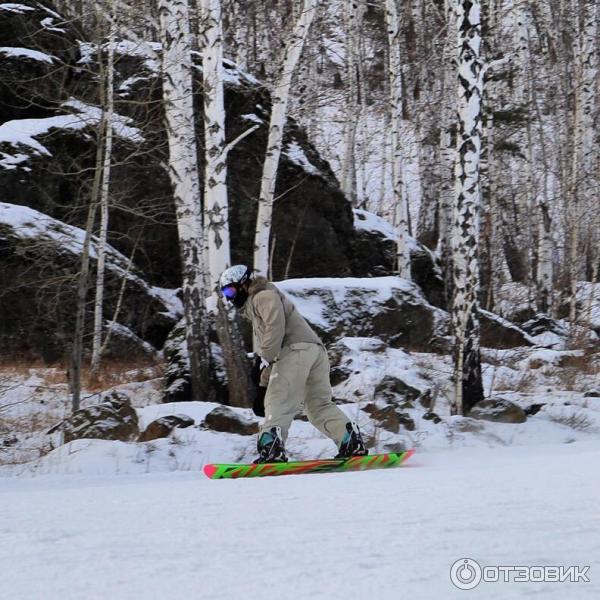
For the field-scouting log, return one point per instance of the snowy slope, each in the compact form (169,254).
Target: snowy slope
(382,535)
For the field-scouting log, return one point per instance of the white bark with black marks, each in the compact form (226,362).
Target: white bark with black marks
(106,125)
(279,104)
(183,170)
(396,121)
(466,213)
(216,204)
(585,147)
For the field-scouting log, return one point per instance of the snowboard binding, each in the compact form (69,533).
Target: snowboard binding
(352,444)
(270,447)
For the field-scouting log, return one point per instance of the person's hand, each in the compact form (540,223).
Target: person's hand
(263,363)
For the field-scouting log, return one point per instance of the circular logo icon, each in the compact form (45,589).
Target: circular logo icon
(465,573)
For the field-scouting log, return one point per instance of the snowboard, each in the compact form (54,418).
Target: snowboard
(328,465)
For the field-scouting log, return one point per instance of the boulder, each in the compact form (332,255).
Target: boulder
(431,416)
(388,308)
(390,418)
(389,389)
(546,331)
(534,409)
(39,53)
(113,419)
(498,410)
(162,428)
(224,419)
(374,255)
(497,332)
(39,262)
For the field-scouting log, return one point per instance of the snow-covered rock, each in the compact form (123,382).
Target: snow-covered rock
(112,419)
(389,308)
(38,274)
(498,410)
(497,332)
(163,427)
(228,420)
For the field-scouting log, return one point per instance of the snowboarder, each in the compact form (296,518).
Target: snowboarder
(294,367)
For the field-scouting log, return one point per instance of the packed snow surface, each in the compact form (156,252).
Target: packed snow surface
(380,534)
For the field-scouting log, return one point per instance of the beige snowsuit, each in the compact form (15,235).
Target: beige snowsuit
(300,367)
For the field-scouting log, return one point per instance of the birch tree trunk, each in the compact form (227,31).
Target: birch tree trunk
(544,275)
(584,143)
(183,170)
(465,235)
(106,126)
(279,103)
(74,374)
(216,204)
(447,150)
(396,118)
(353,18)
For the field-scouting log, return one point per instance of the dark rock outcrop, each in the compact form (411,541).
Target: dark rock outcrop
(226,420)
(162,428)
(33,83)
(394,390)
(497,332)
(113,419)
(498,410)
(374,254)
(391,309)
(390,418)
(39,262)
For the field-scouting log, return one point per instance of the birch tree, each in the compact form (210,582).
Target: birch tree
(106,126)
(395,102)
(183,171)
(583,163)
(539,204)
(465,232)
(279,103)
(216,203)
(353,21)
(447,148)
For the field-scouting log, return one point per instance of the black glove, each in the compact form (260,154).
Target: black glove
(258,404)
(255,373)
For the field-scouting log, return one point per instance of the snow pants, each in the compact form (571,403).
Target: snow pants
(301,377)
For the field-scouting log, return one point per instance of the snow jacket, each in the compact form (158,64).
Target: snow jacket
(276,323)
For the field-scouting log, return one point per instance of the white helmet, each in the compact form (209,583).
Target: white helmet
(236,274)
(231,281)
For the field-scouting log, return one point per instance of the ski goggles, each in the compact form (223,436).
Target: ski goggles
(230,291)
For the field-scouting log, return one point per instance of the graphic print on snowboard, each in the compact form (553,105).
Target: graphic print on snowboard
(331,465)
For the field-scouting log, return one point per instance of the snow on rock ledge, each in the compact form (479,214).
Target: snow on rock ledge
(38,265)
(389,308)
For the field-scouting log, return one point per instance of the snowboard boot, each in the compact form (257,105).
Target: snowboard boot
(352,444)
(270,447)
